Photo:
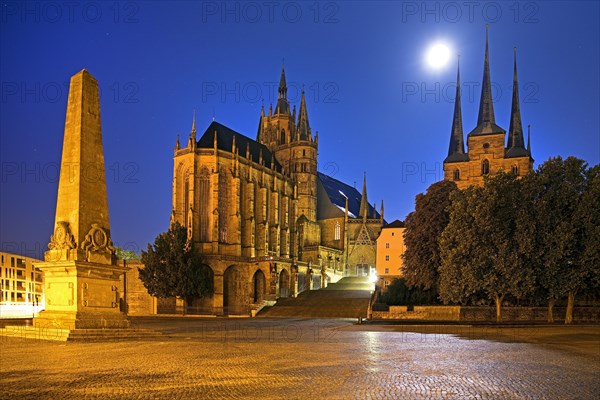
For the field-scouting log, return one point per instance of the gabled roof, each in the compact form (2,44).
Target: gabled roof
(395,224)
(225,137)
(336,190)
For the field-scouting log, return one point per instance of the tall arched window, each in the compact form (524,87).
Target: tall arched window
(485,167)
(337,231)
(515,169)
(223,206)
(457,174)
(186,199)
(282,137)
(204,206)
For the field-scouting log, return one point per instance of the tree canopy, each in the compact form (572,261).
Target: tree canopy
(423,229)
(173,268)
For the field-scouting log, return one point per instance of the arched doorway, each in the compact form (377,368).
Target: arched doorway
(284,283)
(302,282)
(233,291)
(259,286)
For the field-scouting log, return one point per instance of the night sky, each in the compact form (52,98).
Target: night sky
(376,104)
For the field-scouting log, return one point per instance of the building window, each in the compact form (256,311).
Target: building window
(223,205)
(392,233)
(337,231)
(457,174)
(515,170)
(282,138)
(387,258)
(387,270)
(204,206)
(485,167)
(387,245)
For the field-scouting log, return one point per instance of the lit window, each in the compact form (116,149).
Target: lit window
(337,231)
(387,270)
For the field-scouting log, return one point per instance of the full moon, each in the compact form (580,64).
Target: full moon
(438,55)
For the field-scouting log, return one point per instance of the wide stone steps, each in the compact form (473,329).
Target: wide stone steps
(64,335)
(349,298)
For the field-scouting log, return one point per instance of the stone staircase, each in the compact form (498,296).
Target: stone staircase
(87,335)
(348,298)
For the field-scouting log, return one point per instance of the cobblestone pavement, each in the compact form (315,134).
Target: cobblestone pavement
(301,359)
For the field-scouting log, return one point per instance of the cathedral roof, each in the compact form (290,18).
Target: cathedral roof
(335,191)
(225,137)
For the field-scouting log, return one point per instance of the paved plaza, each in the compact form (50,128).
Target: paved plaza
(308,359)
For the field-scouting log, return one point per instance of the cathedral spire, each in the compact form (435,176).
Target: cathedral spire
(194,123)
(364,203)
(516,140)
(283,107)
(456,150)
(486,106)
(303,127)
(486,122)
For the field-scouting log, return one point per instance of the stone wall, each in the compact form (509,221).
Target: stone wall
(485,314)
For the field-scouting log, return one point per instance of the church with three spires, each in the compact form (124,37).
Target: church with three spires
(267,223)
(488,151)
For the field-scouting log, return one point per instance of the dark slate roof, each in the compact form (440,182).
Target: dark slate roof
(225,142)
(486,128)
(334,189)
(395,224)
(456,157)
(516,152)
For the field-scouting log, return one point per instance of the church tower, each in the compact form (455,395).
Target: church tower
(487,153)
(290,139)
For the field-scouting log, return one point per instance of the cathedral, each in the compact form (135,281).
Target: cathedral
(486,149)
(266,221)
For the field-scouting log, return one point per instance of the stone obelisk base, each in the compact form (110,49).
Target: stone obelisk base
(81,295)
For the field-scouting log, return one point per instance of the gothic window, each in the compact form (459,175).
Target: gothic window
(456,174)
(282,140)
(223,206)
(186,199)
(337,231)
(204,204)
(485,167)
(515,170)
(303,153)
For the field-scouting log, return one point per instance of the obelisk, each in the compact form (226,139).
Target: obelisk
(81,277)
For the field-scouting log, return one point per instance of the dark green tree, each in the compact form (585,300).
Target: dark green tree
(172,268)
(421,260)
(479,247)
(556,198)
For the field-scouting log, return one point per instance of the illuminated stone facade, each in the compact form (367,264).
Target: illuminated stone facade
(268,224)
(390,248)
(488,150)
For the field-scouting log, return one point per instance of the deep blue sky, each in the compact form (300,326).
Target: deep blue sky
(361,64)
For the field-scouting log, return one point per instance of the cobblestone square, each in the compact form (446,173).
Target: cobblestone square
(308,359)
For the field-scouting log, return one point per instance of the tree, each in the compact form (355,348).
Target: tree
(173,268)
(556,196)
(126,254)
(423,229)
(479,248)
